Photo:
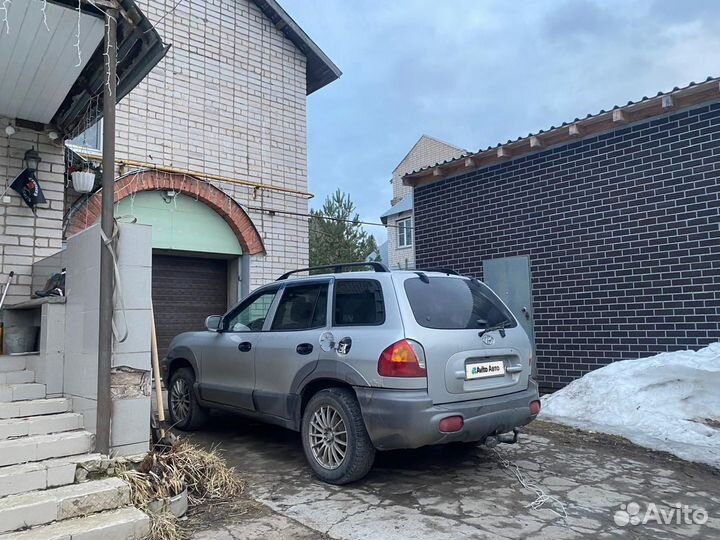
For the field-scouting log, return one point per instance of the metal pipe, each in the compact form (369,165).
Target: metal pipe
(142,166)
(105,341)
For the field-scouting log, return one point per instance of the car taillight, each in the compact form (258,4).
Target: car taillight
(534,408)
(451,424)
(402,359)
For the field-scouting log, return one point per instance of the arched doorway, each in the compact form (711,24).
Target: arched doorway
(201,243)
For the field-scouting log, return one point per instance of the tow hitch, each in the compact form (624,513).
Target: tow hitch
(507,438)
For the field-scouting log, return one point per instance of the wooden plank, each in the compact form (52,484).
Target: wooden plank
(618,116)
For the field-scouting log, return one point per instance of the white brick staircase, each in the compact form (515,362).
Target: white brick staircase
(42,447)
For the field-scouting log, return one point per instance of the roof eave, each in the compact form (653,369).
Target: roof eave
(140,48)
(592,125)
(320,70)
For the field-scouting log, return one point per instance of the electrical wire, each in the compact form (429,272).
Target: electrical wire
(541,497)
(316,216)
(161,19)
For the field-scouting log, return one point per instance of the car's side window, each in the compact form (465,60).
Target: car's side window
(250,315)
(302,307)
(358,302)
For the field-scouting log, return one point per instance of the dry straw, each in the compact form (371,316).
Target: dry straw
(165,474)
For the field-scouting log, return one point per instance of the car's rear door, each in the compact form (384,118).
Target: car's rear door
(291,346)
(228,359)
(447,315)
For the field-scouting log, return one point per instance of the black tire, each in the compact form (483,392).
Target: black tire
(360,452)
(196,415)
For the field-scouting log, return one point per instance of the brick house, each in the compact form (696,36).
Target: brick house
(398,219)
(212,151)
(618,215)
(211,168)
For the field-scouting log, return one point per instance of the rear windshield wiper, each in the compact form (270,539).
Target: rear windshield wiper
(501,326)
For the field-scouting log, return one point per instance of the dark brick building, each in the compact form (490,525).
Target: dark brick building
(620,217)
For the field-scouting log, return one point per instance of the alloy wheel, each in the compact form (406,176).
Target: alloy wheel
(328,437)
(180,400)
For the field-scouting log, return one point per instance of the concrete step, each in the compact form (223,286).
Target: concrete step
(66,502)
(41,447)
(34,407)
(15,377)
(12,363)
(21,392)
(123,524)
(40,425)
(46,474)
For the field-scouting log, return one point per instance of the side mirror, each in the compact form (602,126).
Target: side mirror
(212,323)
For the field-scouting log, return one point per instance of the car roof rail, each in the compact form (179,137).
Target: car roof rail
(440,270)
(337,268)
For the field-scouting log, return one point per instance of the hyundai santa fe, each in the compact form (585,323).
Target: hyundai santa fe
(360,361)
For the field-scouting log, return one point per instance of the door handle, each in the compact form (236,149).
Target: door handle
(304,348)
(526,312)
(245,346)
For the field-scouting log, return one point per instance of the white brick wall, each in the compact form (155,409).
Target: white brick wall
(400,257)
(27,238)
(228,99)
(426,151)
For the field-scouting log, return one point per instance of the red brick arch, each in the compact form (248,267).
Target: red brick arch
(87,211)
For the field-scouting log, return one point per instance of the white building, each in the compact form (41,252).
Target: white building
(211,169)
(399,217)
(212,152)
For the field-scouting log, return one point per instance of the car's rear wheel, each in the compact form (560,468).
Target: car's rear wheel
(185,412)
(337,445)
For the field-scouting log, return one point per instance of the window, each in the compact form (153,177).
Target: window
(250,315)
(358,302)
(302,307)
(404,230)
(452,303)
(91,138)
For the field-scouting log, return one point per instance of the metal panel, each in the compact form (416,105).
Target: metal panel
(181,223)
(510,278)
(39,66)
(185,290)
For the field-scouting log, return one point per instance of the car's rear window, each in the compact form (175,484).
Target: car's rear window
(452,303)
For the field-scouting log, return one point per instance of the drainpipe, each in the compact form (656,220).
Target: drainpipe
(105,342)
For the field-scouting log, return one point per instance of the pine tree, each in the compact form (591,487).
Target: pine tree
(336,235)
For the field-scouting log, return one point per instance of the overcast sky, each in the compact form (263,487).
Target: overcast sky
(478,72)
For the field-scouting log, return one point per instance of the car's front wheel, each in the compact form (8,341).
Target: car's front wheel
(335,440)
(185,412)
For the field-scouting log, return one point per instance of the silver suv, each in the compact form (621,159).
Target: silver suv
(361,361)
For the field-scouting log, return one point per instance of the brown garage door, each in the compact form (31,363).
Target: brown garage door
(185,290)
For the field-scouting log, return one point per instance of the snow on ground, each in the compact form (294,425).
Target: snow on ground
(668,402)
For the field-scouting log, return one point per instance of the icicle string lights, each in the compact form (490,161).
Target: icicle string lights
(44,14)
(77,35)
(5,7)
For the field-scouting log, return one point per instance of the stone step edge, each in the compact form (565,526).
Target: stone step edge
(36,508)
(31,421)
(131,522)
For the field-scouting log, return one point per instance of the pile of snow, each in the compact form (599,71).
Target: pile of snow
(668,402)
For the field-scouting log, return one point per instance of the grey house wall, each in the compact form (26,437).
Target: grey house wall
(622,230)
(130,381)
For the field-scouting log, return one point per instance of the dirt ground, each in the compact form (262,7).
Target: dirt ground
(451,492)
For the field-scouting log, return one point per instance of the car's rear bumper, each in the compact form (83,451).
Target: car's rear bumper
(408,419)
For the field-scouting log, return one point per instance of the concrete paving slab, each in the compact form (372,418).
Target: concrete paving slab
(463,491)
